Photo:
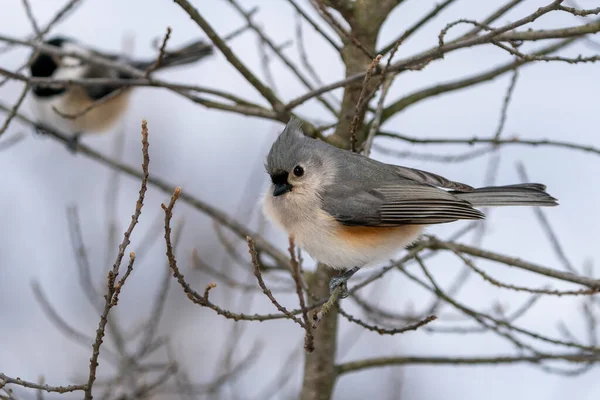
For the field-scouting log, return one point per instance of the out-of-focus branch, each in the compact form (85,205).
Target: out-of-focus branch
(314,25)
(59,16)
(384,331)
(162,185)
(435,53)
(470,81)
(417,25)
(231,57)
(61,324)
(492,360)
(240,106)
(7,380)
(494,323)
(14,109)
(498,142)
(545,224)
(265,39)
(436,244)
(493,17)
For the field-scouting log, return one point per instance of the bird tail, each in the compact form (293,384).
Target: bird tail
(184,55)
(526,194)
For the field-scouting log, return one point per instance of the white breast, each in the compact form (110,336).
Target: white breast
(42,108)
(325,239)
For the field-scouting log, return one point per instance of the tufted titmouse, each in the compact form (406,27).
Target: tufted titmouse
(74,99)
(347,210)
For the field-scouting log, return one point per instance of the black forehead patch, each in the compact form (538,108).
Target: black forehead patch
(57,41)
(43,66)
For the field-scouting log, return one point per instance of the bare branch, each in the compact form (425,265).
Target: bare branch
(492,360)
(497,142)
(31,18)
(314,25)
(6,380)
(365,95)
(435,244)
(266,290)
(112,290)
(14,109)
(297,275)
(432,54)
(417,25)
(161,53)
(162,185)
(231,57)
(265,39)
(344,34)
(384,331)
(545,224)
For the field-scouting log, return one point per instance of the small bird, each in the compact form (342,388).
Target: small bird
(347,210)
(50,101)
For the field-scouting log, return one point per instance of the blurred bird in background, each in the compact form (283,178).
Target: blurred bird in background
(76,109)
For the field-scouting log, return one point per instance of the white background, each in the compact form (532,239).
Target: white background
(212,155)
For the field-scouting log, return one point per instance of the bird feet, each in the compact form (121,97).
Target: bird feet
(73,142)
(41,130)
(342,281)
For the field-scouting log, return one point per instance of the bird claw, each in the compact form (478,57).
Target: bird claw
(40,130)
(339,281)
(73,143)
(342,281)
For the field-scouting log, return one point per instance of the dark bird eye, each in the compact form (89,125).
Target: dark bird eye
(298,171)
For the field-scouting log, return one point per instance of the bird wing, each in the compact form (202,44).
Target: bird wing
(430,178)
(97,92)
(394,204)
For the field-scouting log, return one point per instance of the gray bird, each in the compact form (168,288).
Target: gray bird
(347,210)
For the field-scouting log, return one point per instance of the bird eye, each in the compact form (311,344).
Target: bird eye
(298,171)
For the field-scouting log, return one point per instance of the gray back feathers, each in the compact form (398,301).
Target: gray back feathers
(366,192)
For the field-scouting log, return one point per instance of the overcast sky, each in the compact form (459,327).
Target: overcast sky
(212,155)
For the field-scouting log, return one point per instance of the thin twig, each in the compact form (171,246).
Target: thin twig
(365,95)
(203,300)
(309,344)
(112,274)
(417,25)
(266,291)
(547,228)
(384,331)
(31,18)
(503,142)
(4,379)
(356,366)
(340,29)
(161,53)
(13,111)
(436,244)
(315,25)
(231,57)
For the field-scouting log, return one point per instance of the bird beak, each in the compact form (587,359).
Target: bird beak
(281,188)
